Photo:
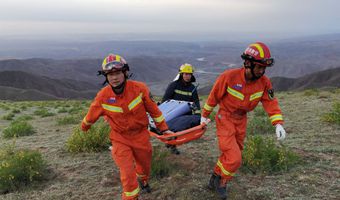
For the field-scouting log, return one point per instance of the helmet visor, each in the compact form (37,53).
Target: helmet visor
(268,62)
(113,65)
(265,62)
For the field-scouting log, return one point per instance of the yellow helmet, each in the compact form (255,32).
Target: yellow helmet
(186,68)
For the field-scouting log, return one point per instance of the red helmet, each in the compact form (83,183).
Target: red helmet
(258,53)
(114,62)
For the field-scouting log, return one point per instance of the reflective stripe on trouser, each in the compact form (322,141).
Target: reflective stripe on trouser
(131,161)
(230,133)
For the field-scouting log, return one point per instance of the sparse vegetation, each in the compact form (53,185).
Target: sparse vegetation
(313,176)
(70,119)
(43,112)
(94,140)
(311,92)
(19,168)
(8,117)
(62,110)
(259,124)
(16,111)
(262,155)
(24,118)
(160,166)
(334,115)
(17,129)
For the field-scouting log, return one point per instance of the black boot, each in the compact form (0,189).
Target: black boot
(173,149)
(220,187)
(211,184)
(144,186)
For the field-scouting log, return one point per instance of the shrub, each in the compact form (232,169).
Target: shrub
(68,120)
(62,110)
(19,168)
(262,155)
(160,166)
(75,110)
(260,125)
(43,112)
(9,116)
(334,115)
(5,107)
(17,129)
(311,92)
(16,111)
(94,140)
(24,118)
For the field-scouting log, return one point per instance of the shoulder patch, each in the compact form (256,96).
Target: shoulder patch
(271,94)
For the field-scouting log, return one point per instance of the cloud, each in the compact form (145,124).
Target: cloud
(112,16)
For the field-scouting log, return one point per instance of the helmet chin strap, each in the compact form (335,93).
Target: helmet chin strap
(119,88)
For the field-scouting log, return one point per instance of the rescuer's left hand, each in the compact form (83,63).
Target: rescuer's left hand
(280,132)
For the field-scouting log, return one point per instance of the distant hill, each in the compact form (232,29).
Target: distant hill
(326,78)
(15,94)
(144,68)
(294,57)
(18,85)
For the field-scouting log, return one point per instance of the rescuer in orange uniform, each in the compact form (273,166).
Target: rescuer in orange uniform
(124,104)
(238,91)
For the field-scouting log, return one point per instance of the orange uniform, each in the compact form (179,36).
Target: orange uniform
(126,114)
(235,98)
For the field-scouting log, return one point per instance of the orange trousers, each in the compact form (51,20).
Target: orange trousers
(231,131)
(133,161)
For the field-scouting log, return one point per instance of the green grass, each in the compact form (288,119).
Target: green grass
(17,129)
(62,110)
(19,168)
(262,155)
(70,119)
(43,112)
(334,115)
(311,92)
(94,140)
(259,123)
(160,165)
(24,118)
(8,116)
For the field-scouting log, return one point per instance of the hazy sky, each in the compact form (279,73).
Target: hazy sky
(181,17)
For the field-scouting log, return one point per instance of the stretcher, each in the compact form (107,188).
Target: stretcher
(181,137)
(170,110)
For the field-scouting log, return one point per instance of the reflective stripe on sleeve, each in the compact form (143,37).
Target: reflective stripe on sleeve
(159,119)
(207,107)
(276,117)
(86,122)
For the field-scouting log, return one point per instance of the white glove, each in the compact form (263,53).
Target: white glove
(280,132)
(205,120)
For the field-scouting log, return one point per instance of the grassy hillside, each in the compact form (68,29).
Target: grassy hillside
(95,176)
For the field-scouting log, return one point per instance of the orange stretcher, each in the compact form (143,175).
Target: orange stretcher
(181,137)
